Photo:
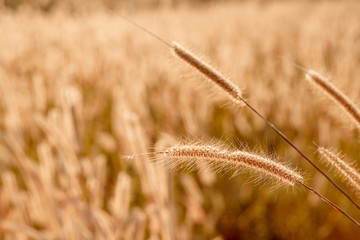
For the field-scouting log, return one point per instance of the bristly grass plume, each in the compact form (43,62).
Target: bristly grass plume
(192,156)
(213,75)
(219,159)
(335,94)
(346,172)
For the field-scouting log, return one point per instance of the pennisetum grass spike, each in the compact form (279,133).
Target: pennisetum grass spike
(190,155)
(233,160)
(331,90)
(335,94)
(350,176)
(227,86)
(230,88)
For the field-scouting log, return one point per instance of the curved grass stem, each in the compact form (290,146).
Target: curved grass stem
(330,203)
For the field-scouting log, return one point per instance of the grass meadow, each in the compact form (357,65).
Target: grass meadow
(79,90)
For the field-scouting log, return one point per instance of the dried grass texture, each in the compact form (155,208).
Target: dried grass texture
(102,57)
(346,172)
(336,95)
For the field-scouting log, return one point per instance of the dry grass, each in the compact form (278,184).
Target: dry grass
(212,74)
(126,93)
(336,95)
(194,156)
(349,174)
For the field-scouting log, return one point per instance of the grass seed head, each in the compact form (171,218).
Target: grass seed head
(346,172)
(225,160)
(213,75)
(336,95)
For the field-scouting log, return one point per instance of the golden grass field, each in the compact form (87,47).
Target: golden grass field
(79,90)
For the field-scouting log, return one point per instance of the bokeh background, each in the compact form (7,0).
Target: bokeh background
(80,87)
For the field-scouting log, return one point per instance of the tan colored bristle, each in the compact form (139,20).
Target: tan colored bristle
(350,176)
(336,95)
(234,160)
(220,80)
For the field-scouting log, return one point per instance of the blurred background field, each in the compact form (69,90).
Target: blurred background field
(80,87)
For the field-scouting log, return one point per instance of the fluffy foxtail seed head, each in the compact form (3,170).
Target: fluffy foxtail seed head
(349,175)
(335,94)
(232,160)
(230,88)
